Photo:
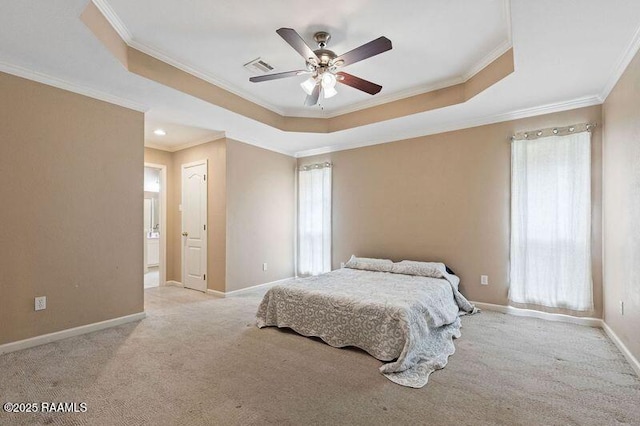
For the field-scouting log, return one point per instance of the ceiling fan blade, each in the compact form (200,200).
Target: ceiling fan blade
(358,83)
(367,50)
(278,75)
(312,99)
(293,38)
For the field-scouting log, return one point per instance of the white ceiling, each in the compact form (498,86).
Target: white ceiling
(567,54)
(177,136)
(217,38)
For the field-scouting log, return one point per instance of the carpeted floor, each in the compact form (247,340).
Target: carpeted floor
(200,360)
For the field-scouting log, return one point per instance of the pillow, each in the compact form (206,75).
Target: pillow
(422,269)
(368,264)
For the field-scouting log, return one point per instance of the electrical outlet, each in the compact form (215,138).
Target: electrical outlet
(41,303)
(622,307)
(484,279)
(341,264)
(264,266)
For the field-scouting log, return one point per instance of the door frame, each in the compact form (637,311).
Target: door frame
(204,162)
(163,220)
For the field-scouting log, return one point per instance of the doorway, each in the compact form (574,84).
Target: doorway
(154,225)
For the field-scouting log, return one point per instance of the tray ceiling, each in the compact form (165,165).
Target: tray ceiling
(435,43)
(567,54)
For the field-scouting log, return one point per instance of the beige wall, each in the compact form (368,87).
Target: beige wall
(71,186)
(621,180)
(260,215)
(251,212)
(215,154)
(445,198)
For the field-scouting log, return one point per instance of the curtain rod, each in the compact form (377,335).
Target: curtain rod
(315,166)
(553,131)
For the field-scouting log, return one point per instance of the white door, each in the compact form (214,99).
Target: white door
(194,225)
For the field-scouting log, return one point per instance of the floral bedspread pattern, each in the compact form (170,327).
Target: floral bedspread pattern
(409,321)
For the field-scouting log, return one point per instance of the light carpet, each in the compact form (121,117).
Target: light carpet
(200,360)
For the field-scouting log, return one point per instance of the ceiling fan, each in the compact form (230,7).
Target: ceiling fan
(323,65)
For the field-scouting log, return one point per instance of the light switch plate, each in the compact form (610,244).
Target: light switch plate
(484,279)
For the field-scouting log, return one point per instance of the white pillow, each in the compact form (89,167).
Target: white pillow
(422,269)
(369,264)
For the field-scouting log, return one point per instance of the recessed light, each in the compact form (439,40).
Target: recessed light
(159,132)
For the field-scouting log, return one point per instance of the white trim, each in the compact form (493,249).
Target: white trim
(257,144)
(216,293)
(126,36)
(191,69)
(500,50)
(163,220)
(403,94)
(621,65)
(111,16)
(70,87)
(459,125)
(385,99)
(208,77)
(213,137)
(174,283)
(633,361)
(588,321)
(242,290)
(70,332)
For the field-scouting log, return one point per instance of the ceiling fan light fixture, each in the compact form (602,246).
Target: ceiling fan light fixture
(328,80)
(308,85)
(329,92)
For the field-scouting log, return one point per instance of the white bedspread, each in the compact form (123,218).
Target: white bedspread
(410,321)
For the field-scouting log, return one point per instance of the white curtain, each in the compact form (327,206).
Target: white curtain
(551,222)
(314,219)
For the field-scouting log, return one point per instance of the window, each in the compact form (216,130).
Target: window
(551,222)
(314,219)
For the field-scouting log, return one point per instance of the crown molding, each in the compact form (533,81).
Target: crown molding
(127,37)
(621,66)
(376,101)
(124,33)
(261,145)
(200,141)
(111,16)
(215,137)
(500,50)
(90,92)
(466,124)
(209,78)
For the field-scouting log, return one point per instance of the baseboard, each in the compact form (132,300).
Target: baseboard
(174,283)
(216,293)
(223,294)
(70,332)
(633,361)
(591,322)
(588,321)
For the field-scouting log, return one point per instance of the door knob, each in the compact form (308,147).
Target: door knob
(185,234)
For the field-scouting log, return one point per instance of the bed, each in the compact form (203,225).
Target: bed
(406,314)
